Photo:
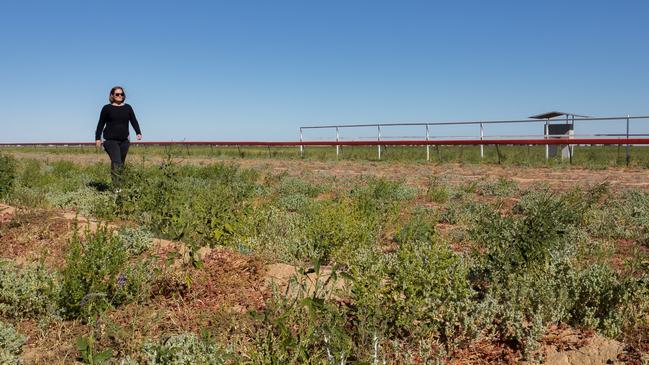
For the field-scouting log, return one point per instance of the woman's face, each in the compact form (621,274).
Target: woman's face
(118,95)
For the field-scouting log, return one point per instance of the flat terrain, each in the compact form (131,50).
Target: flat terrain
(558,177)
(292,261)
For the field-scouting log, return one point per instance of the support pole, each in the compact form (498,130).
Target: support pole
(301,146)
(628,146)
(427,145)
(546,133)
(481,138)
(337,145)
(379,140)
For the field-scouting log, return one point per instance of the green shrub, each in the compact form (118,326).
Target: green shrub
(294,202)
(280,235)
(294,185)
(529,267)
(7,175)
(426,288)
(185,349)
(28,292)
(97,275)
(11,343)
(136,240)
(437,192)
(528,238)
(32,175)
(209,207)
(336,229)
(420,227)
(600,297)
(501,187)
(86,201)
(374,196)
(305,326)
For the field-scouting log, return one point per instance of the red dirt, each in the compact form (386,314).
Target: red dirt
(36,235)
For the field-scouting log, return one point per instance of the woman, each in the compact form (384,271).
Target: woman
(113,123)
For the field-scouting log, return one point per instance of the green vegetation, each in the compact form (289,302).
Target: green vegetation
(595,157)
(11,343)
(97,275)
(387,272)
(7,174)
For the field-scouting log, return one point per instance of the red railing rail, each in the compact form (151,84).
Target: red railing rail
(408,142)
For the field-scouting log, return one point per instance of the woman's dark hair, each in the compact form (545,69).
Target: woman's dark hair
(111,97)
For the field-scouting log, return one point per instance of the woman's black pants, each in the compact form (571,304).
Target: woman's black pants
(117,150)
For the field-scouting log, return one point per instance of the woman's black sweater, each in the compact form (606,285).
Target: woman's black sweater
(115,119)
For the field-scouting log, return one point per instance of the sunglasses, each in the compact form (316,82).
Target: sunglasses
(118,94)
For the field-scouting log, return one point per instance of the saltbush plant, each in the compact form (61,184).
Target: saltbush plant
(427,282)
(136,240)
(185,349)
(26,292)
(336,229)
(11,343)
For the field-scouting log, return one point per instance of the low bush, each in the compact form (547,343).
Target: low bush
(98,275)
(436,191)
(336,229)
(87,201)
(501,187)
(426,289)
(420,227)
(294,185)
(376,197)
(303,327)
(11,343)
(280,235)
(26,292)
(136,240)
(185,349)
(529,268)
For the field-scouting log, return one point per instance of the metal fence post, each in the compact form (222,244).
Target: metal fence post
(481,138)
(427,145)
(546,132)
(337,140)
(379,140)
(301,145)
(628,146)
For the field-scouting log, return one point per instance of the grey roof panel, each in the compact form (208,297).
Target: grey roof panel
(554,114)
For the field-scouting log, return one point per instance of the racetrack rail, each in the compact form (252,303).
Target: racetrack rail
(448,142)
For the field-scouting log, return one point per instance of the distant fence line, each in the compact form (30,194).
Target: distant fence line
(380,139)
(547,139)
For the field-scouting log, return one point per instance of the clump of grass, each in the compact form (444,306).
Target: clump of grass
(437,192)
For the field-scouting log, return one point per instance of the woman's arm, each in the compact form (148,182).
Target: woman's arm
(134,123)
(103,117)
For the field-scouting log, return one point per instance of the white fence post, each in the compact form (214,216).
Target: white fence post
(427,145)
(379,139)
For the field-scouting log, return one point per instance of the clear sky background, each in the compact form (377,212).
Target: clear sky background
(257,70)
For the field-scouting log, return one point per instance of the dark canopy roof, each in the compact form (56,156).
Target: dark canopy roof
(554,114)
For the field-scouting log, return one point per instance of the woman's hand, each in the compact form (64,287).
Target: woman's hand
(98,143)
(139,137)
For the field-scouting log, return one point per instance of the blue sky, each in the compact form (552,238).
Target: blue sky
(257,70)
